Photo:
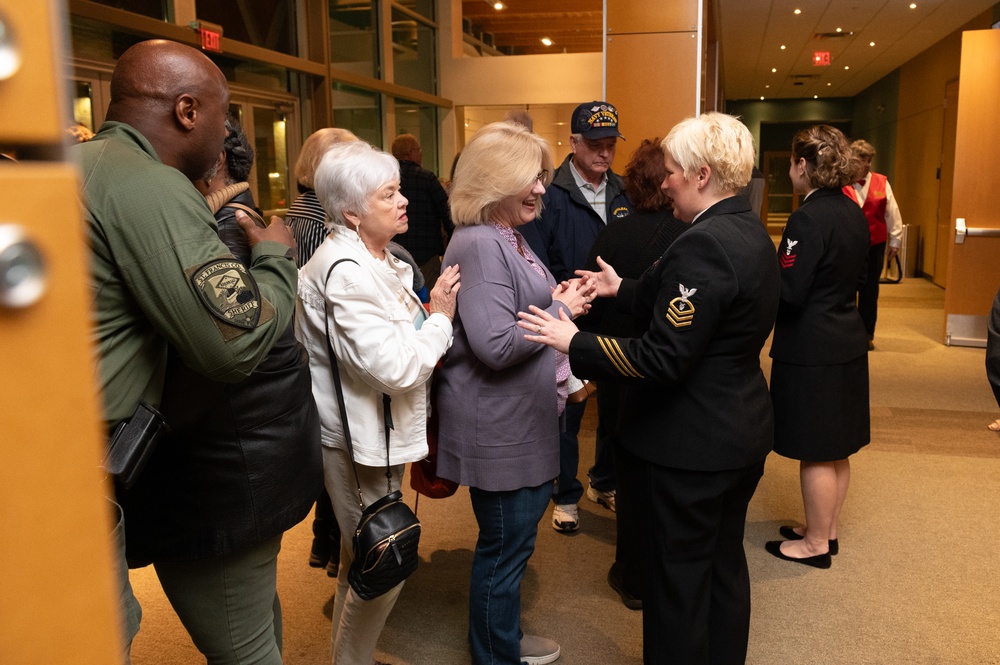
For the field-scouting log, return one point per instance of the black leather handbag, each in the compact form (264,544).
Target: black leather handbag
(385,546)
(388,533)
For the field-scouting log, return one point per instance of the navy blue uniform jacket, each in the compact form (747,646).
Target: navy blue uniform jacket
(563,236)
(822,256)
(696,398)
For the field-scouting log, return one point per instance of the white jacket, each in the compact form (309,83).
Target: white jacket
(372,311)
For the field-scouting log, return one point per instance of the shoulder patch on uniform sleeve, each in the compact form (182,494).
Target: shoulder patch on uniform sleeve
(787,258)
(680,311)
(229,292)
(620,211)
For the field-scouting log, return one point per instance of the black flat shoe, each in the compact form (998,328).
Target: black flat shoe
(788,532)
(818,561)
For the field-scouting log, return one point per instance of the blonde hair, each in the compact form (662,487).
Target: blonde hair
(718,141)
(863,148)
(500,160)
(317,145)
(830,161)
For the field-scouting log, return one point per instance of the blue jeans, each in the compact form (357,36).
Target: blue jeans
(508,524)
(568,489)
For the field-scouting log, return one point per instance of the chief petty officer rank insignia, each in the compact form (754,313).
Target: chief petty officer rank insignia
(680,311)
(229,292)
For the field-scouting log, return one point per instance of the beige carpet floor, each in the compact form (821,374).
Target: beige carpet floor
(916,581)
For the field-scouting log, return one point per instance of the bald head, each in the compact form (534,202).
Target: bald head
(177,98)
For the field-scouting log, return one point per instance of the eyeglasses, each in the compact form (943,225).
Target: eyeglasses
(542,175)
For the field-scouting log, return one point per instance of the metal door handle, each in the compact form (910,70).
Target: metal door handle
(961,230)
(23,274)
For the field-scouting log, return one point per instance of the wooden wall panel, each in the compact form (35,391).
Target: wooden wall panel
(631,16)
(652,79)
(32,111)
(973,269)
(57,594)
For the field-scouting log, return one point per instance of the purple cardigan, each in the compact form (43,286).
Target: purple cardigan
(497,391)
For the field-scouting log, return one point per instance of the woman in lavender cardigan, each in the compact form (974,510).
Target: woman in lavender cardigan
(498,402)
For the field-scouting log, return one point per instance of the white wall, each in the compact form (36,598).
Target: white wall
(535,81)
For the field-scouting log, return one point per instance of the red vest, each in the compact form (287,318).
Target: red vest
(874,206)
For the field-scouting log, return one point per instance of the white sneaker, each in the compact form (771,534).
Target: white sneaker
(565,518)
(537,650)
(606,499)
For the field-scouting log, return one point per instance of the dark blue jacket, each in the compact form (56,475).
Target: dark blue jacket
(563,235)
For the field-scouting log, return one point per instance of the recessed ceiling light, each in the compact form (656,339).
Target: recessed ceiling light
(546,41)
(913,5)
(840,29)
(815,96)
(762,98)
(829,84)
(498,6)
(798,11)
(767,86)
(871,43)
(782,47)
(847,66)
(774,70)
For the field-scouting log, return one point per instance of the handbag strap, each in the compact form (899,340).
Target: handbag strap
(338,386)
(258,220)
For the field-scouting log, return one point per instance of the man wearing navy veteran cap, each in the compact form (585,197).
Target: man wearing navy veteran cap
(585,195)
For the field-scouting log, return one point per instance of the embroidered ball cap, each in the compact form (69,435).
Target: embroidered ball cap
(595,120)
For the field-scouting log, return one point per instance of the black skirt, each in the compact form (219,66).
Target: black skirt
(821,413)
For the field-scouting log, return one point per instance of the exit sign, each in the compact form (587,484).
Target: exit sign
(211,35)
(211,41)
(821,59)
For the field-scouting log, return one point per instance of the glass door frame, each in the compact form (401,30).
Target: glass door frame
(249,99)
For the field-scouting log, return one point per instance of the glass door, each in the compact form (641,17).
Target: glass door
(91,93)
(271,125)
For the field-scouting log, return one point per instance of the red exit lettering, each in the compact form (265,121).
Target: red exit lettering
(211,40)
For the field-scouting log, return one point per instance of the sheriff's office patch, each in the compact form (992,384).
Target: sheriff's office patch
(620,211)
(229,292)
(680,311)
(787,258)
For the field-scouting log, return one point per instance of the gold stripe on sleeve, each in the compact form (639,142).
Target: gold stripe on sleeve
(617,358)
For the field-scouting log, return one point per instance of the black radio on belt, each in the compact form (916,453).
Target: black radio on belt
(132,442)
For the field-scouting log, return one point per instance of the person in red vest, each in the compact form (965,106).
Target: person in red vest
(874,195)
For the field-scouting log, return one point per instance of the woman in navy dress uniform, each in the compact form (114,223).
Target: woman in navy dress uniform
(697,420)
(819,377)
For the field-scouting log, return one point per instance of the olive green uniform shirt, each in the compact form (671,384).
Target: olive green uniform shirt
(161,275)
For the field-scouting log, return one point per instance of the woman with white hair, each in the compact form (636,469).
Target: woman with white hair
(697,422)
(385,343)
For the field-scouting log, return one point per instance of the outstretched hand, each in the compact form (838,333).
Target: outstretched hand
(606,280)
(547,329)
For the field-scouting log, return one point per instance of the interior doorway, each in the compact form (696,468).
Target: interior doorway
(780,199)
(271,123)
(943,239)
